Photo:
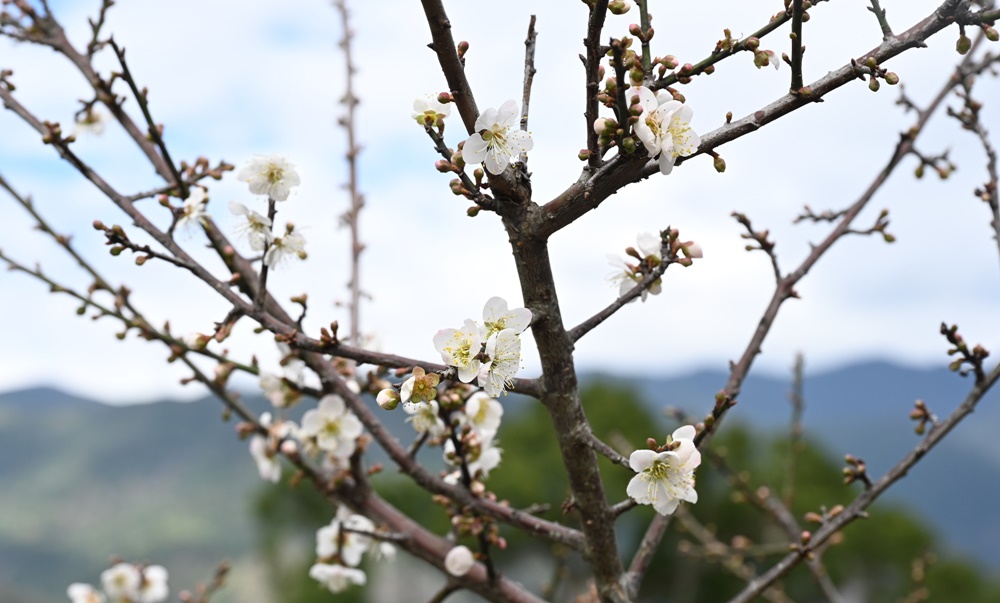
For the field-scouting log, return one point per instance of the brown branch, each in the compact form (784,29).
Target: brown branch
(529,76)
(796,47)
(357,200)
(592,63)
(857,508)
(732,562)
(582,197)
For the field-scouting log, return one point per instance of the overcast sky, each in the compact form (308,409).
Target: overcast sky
(233,80)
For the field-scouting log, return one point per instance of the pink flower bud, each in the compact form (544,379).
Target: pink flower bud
(459,561)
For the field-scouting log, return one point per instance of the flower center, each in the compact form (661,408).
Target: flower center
(681,133)
(274,174)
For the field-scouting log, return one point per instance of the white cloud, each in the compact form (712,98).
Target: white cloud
(266,78)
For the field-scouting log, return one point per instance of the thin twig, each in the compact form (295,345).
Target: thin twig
(883,23)
(796,46)
(529,76)
(357,200)
(857,508)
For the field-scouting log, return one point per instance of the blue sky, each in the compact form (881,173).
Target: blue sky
(265,78)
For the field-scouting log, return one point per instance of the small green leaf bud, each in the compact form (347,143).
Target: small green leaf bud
(964,44)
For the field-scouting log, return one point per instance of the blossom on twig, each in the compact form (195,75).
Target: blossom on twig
(271,175)
(663,479)
(497,141)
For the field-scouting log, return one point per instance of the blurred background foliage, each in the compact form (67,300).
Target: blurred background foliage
(873,561)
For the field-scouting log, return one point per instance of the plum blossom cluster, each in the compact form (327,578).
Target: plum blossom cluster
(489,353)
(274,177)
(665,476)
(124,583)
(340,547)
(660,122)
(497,142)
(648,256)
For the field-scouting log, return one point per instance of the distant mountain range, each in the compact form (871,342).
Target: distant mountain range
(170,482)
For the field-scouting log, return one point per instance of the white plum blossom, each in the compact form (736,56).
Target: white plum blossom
(90,122)
(349,546)
(290,244)
(481,457)
(293,367)
(428,110)
(663,479)
(273,176)
(664,129)
(333,426)
(627,276)
(337,578)
(504,350)
(460,348)
(425,418)
(267,464)
(121,581)
(497,141)
(459,561)
(484,414)
(84,593)
(277,390)
(154,585)
(496,318)
(193,210)
(257,227)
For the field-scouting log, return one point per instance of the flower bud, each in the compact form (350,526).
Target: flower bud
(388,399)
(458,160)
(473,211)
(600,124)
(289,448)
(873,84)
(583,155)
(891,78)
(463,47)
(443,166)
(619,7)
(719,163)
(692,250)
(459,561)
(753,43)
(670,62)
(964,44)
(991,33)
(628,145)
(445,97)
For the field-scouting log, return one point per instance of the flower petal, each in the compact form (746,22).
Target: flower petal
(507,116)
(642,459)
(474,150)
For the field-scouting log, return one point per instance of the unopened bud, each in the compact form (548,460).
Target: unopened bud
(628,145)
(619,7)
(964,44)
(752,43)
(891,78)
(873,84)
(387,399)
(473,211)
(583,155)
(289,448)
(443,166)
(692,250)
(463,47)
(991,33)
(719,163)
(445,97)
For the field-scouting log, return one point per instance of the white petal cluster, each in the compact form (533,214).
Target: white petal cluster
(489,353)
(91,122)
(124,582)
(483,413)
(498,141)
(664,479)
(429,111)
(425,417)
(337,578)
(340,548)
(664,127)
(481,456)
(333,427)
(264,449)
(257,228)
(627,275)
(193,210)
(271,175)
